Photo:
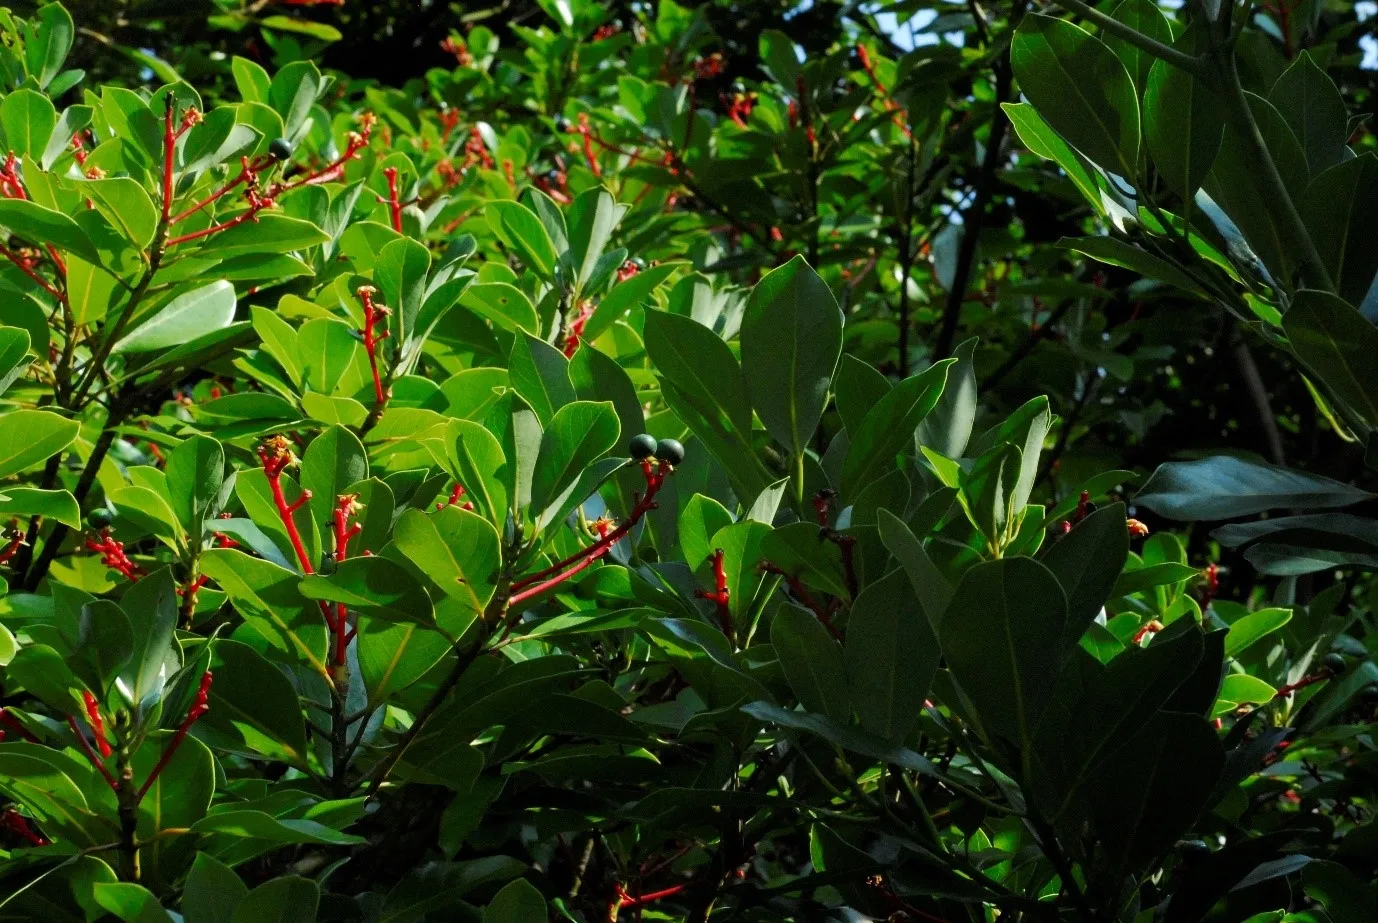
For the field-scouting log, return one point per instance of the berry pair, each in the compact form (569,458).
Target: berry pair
(667,450)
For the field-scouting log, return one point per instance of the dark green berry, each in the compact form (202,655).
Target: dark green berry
(562,125)
(1334,663)
(638,262)
(670,451)
(280,149)
(1369,694)
(99,517)
(552,177)
(643,446)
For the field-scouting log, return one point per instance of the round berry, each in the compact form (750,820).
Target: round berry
(1334,663)
(638,262)
(670,451)
(100,517)
(1369,694)
(562,124)
(643,446)
(280,149)
(552,177)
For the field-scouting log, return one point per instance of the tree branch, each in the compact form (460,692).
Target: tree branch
(1157,49)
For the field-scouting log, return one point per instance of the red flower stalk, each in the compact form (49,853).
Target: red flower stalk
(890,105)
(12,544)
(449,120)
(804,597)
(709,67)
(14,724)
(455,494)
(589,155)
(394,203)
(257,203)
(91,756)
(355,142)
(198,708)
(535,584)
(454,46)
(1151,627)
(93,717)
(276,454)
(1136,528)
(12,821)
(628,900)
(739,107)
(720,595)
(627,270)
(576,329)
(248,173)
(1083,506)
(374,313)
(346,507)
(26,267)
(1212,575)
(822,503)
(113,555)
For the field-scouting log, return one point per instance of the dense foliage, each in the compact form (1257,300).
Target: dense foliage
(614,461)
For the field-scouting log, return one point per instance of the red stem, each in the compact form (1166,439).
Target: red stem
(720,595)
(10,721)
(198,708)
(247,171)
(394,204)
(372,315)
(91,755)
(27,270)
(276,457)
(169,146)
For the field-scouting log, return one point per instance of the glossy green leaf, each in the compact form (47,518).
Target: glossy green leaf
(1224,486)
(28,437)
(185,317)
(891,654)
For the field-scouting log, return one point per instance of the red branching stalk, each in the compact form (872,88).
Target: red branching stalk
(373,313)
(14,822)
(589,155)
(113,555)
(1136,528)
(356,141)
(257,203)
(890,105)
(455,495)
(822,504)
(1212,576)
(576,328)
(535,584)
(627,270)
(26,267)
(198,708)
(276,454)
(449,121)
(394,203)
(346,507)
(93,718)
(1149,628)
(169,149)
(720,595)
(1311,679)
(248,173)
(628,900)
(14,724)
(13,543)
(91,754)
(1083,506)
(804,596)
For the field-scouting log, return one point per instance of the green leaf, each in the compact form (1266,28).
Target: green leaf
(125,203)
(791,340)
(947,428)
(505,305)
(195,478)
(45,226)
(28,119)
(540,374)
(394,655)
(1001,637)
(267,596)
(812,661)
(1119,253)
(212,891)
(703,384)
(401,273)
(517,902)
(476,460)
(270,233)
(699,520)
(1183,123)
(253,707)
(888,429)
(1081,88)
(185,317)
(801,552)
(151,605)
(891,653)
(47,41)
(130,902)
(1038,136)
(1224,487)
(457,549)
(1164,573)
(251,824)
(1335,209)
(327,349)
(857,387)
(1144,17)
(374,586)
(522,232)
(1251,628)
(317,30)
(14,355)
(28,437)
(930,586)
(593,216)
(282,900)
(1087,562)
(1312,106)
(579,434)
(333,461)
(58,505)
(626,295)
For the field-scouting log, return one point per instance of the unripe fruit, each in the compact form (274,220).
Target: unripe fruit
(639,263)
(1334,663)
(1369,694)
(642,447)
(562,124)
(280,149)
(99,517)
(670,451)
(552,177)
